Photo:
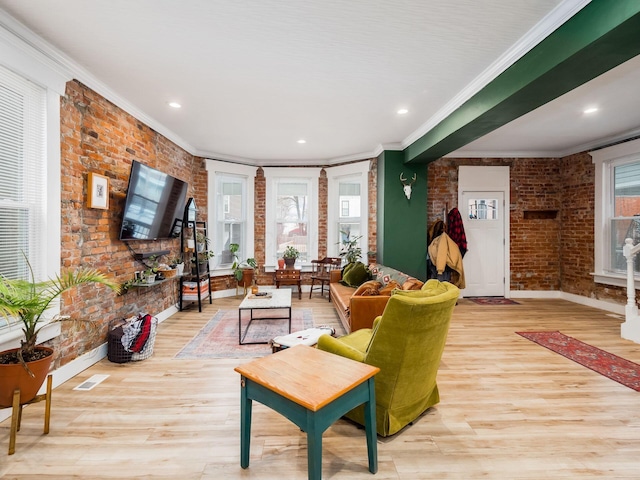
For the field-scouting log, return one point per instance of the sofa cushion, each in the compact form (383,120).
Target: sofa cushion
(370,287)
(385,274)
(389,288)
(355,275)
(432,288)
(412,284)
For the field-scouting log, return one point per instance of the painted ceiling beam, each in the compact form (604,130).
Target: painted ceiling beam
(601,36)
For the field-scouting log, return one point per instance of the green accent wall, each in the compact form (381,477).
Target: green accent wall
(402,223)
(601,36)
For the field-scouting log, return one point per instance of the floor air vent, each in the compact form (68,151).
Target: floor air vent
(89,383)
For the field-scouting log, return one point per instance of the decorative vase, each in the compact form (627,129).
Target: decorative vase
(290,262)
(281,263)
(13,377)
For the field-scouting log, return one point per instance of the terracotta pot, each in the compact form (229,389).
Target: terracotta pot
(281,263)
(14,376)
(247,277)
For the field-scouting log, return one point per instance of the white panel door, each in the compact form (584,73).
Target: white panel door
(483,219)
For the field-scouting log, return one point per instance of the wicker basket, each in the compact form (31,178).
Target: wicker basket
(168,273)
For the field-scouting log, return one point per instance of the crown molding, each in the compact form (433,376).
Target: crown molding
(35,46)
(559,15)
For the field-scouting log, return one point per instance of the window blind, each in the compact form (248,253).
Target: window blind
(22,175)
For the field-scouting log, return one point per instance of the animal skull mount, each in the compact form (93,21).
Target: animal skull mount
(407,186)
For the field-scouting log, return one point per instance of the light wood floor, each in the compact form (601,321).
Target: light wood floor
(509,409)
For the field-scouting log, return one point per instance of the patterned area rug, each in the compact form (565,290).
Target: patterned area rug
(492,301)
(219,337)
(611,366)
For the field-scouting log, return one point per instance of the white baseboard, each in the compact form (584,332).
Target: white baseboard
(81,363)
(579,299)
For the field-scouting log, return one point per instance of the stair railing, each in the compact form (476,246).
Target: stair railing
(630,329)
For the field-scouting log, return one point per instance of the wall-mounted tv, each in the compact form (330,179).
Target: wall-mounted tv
(154,207)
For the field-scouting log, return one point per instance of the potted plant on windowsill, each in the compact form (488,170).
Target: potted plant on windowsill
(290,255)
(25,302)
(349,248)
(243,272)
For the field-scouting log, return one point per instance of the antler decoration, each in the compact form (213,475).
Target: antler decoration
(407,186)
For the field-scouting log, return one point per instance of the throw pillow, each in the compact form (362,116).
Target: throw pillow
(370,287)
(412,284)
(389,287)
(355,275)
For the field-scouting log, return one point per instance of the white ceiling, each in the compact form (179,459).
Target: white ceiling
(255,76)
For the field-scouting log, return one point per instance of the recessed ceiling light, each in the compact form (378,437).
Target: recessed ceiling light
(402,111)
(590,110)
(302,140)
(174,105)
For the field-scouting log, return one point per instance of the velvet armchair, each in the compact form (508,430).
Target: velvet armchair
(406,343)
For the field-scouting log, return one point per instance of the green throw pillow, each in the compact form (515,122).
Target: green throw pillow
(356,275)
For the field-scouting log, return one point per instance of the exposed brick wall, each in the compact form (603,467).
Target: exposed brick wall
(546,254)
(97,136)
(259,229)
(323,205)
(535,247)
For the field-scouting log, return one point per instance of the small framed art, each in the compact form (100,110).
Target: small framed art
(98,194)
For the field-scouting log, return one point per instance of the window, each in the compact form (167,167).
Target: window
(292,213)
(29,175)
(231,197)
(22,175)
(617,209)
(349,221)
(483,209)
(348,199)
(231,220)
(292,217)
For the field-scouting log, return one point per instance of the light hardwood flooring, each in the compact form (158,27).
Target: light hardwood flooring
(510,409)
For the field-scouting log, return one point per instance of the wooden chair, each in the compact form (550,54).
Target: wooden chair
(320,272)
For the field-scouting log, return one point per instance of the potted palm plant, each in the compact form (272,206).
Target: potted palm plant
(25,302)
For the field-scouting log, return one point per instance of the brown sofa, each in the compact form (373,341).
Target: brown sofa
(359,311)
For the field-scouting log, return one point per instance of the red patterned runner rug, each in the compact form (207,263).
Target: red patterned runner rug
(611,366)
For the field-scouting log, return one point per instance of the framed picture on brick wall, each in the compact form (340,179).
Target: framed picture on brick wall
(98,191)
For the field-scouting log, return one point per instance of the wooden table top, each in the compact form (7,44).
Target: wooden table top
(307,376)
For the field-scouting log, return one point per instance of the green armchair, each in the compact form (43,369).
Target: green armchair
(406,343)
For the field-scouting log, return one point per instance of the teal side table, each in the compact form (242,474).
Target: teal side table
(313,389)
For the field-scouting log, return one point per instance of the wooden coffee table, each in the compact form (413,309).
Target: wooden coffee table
(313,389)
(278,300)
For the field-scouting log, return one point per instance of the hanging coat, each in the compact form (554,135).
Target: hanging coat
(455,229)
(444,252)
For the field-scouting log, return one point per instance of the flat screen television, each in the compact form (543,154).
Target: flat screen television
(154,207)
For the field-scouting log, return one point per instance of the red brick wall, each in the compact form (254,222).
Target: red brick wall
(97,136)
(546,254)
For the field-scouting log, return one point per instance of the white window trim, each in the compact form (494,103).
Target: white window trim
(216,168)
(272,175)
(605,160)
(24,60)
(358,170)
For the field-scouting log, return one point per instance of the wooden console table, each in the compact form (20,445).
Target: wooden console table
(313,389)
(289,276)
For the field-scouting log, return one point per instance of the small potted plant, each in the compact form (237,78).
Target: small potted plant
(290,255)
(177,263)
(242,271)
(349,248)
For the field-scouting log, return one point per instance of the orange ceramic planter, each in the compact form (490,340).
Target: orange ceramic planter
(14,376)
